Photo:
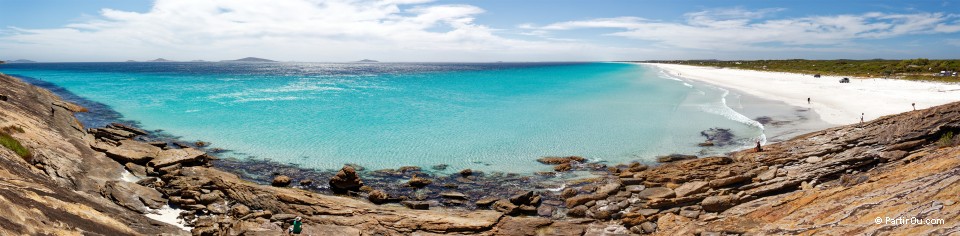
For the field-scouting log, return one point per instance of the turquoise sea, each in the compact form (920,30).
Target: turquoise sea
(486,116)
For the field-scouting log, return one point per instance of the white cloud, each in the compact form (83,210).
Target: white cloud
(422,30)
(307,30)
(738,29)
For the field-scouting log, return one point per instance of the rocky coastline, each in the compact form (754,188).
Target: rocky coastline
(835,181)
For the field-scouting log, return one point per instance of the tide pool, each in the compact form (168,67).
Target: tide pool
(484,116)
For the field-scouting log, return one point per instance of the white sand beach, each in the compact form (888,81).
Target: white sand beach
(836,103)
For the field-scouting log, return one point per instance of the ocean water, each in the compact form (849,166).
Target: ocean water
(485,116)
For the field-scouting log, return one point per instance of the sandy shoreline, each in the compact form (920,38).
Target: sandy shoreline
(835,103)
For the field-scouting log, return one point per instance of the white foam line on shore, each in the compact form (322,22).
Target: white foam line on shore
(165,214)
(127,176)
(726,110)
(168,215)
(557,189)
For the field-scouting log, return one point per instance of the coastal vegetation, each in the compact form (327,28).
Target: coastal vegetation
(946,140)
(11,143)
(909,69)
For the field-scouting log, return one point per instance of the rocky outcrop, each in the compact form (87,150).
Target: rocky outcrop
(836,181)
(346,180)
(66,187)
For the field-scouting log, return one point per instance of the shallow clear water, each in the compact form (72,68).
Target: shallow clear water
(495,116)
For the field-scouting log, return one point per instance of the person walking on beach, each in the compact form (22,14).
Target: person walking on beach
(861,118)
(296,227)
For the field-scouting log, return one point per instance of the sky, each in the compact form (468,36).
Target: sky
(476,31)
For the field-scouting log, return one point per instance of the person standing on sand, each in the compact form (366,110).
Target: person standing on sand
(861,118)
(808,100)
(914,105)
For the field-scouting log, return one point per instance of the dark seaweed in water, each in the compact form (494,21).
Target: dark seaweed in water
(393,181)
(719,136)
(764,120)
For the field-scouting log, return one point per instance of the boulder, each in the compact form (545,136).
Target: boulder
(176,156)
(378,197)
(487,201)
(281,181)
(578,211)
(631,181)
(717,183)
(408,169)
(419,182)
(506,207)
(580,200)
(522,198)
(132,196)
(635,188)
(648,227)
(133,151)
(148,182)
(674,158)
(466,172)
(561,160)
(691,188)
(128,128)
(768,174)
(345,180)
(136,170)
(416,205)
(689,213)
(562,167)
(637,167)
(453,195)
(306,182)
(208,198)
(218,208)
(239,210)
(656,192)
(718,203)
(632,219)
(648,212)
(115,134)
(545,210)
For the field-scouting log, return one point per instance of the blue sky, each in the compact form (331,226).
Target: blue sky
(490,30)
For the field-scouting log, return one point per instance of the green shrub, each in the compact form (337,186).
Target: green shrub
(9,142)
(946,140)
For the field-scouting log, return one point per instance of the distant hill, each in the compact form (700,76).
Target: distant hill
(131,61)
(21,61)
(367,60)
(250,59)
(198,61)
(160,60)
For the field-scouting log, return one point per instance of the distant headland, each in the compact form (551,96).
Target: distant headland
(20,61)
(250,59)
